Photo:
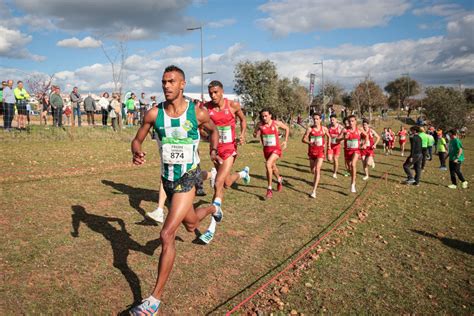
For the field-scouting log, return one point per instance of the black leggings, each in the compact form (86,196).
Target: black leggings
(455,170)
(105,115)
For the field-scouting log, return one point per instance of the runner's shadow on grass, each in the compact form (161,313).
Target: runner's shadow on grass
(282,263)
(120,241)
(457,244)
(236,187)
(135,197)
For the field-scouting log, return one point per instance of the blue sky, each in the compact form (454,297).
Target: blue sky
(432,40)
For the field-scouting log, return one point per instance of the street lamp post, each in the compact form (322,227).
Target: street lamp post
(322,83)
(202,61)
(207,73)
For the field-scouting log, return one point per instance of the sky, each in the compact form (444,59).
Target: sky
(432,41)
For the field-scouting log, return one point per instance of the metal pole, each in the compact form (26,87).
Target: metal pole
(322,83)
(202,70)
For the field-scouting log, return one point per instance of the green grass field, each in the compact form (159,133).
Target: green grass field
(412,253)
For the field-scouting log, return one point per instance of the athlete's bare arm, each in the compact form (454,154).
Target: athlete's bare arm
(204,120)
(235,106)
(256,131)
(282,125)
(305,138)
(148,122)
(377,138)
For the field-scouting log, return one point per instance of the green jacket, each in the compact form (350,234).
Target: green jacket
(56,101)
(424,139)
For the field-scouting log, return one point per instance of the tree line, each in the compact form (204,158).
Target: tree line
(259,86)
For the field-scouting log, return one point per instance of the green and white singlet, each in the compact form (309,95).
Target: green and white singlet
(178,142)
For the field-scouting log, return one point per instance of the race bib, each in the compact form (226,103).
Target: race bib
(334,140)
(225,134)
(367,142)
(316,140)
(269,140)
(177,151)
(352,143)
(402,137)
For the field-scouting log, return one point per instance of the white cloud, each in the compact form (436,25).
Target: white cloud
(292,16)
(12,45)
(172,51)
(222,23)
(138,19)
(86,42)
(439,10)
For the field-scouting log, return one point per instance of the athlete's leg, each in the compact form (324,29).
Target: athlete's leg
(317,173)
(181,207)
(223,171)
(353,166)
(312,165)
(270,165)
(336,164)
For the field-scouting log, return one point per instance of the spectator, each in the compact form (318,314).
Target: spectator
(415,157)
(90,107)
(456,158)
(21,97)
(67,112)
(424,145)
(45,108)
(104,108)
(442,150)
(130,105)
(115,111)
(57,107)
(8,103)
(4,83)
(431,142)
(143,106)
(76,106)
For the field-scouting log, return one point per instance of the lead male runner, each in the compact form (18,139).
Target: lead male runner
(176,122)
(223,114)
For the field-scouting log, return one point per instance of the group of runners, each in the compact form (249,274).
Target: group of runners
(178,123)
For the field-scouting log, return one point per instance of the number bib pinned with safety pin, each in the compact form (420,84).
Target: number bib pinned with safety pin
(352,143)
(225,134)
(177,151)
(269,140)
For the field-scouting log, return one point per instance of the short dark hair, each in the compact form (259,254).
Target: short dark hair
(215,83)
(415,128)
(365,121)
(19,81)
(316,114)
(453,131)
(172,68)
(264,110)
(332,115)
(351,116)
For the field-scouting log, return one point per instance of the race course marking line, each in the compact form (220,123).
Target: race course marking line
(354,207)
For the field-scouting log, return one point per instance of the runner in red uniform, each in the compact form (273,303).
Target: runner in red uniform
(352,146)
(392,140)
(368,154)
(334,150)
(223,114)
(402,139)
(347,125)
(315,138)
(267,129)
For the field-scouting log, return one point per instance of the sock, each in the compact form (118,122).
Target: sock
(280,179)
(212,226)
(242,174)
(269,187)
(217,202)
(158,209)
(153,300)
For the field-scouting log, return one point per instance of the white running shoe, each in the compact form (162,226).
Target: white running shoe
(373,165)
(334,175)
(157,215)
(213,177)
(149,306)
(246,178)
(365,178)
(353,188)
(207,237)
(313,194)
(464,185)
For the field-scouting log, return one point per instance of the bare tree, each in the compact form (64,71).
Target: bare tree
(117,55)
(39,84)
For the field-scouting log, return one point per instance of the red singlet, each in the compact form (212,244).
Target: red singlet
(316,146)
(224,120)
(369,143)
(270,139)
(351,144)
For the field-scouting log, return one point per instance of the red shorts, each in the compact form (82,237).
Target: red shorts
(402,141)
(367,152)
(315,154)
(268,153)
(348,154)
(335,151)
(226,151)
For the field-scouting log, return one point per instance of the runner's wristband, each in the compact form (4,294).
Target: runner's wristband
(213,149)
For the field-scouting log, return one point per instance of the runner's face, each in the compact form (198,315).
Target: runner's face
(352,122)
(216,94)
(366,126)
(333,121)
(316,120)
(173,84)
(266,117)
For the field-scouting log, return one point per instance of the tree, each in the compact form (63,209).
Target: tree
(446,107)
(367,96)
(292,99)
(117,55)
(469,95)
(333,90)
(39,84)
(257,84)
(400,89)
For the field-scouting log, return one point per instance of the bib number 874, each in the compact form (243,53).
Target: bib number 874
(177,155)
